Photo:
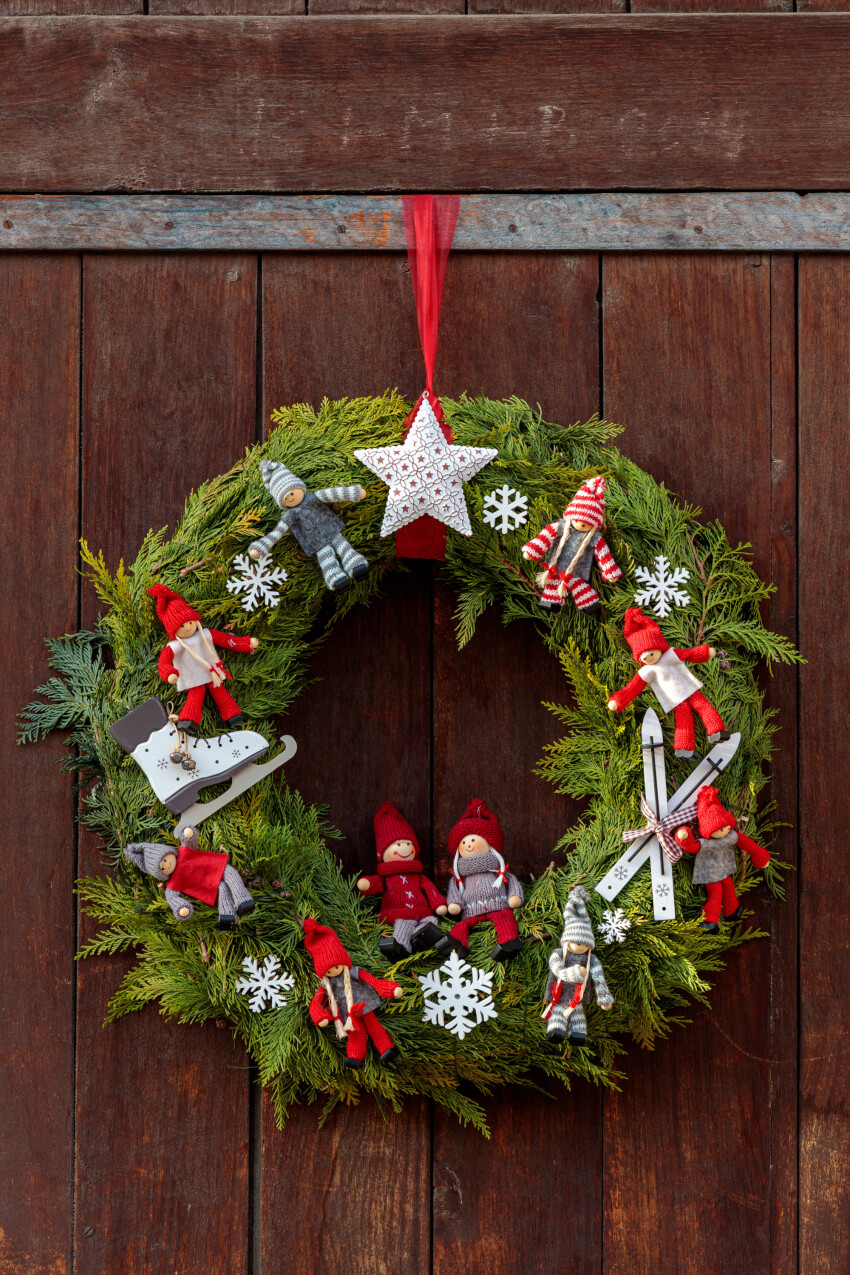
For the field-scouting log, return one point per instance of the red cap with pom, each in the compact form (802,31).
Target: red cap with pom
(642,633)
(390,826)
(482,822)
(711,815)
(172,609)
(324,947)
(588,504)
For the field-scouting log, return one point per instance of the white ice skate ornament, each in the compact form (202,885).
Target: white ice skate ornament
(662,592)
(463,996)
(505,509)
(148,736)
(655,783)
(614,926)
(257,581)
(425,474)
(264,981)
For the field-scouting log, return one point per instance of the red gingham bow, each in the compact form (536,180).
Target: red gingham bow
(663,827)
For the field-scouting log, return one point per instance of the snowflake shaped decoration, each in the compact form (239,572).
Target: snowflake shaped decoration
(661,592)
(615,926)
(662,889)
(257,581)
(462,996)
(425,474)
(264,981)
(162,764)
(505,509)
(621,872)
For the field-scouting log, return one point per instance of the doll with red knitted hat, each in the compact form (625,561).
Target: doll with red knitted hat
(674,685)
(568,548)
(349,997)
(409,900)
(715,865)
(191,663)
(481,887)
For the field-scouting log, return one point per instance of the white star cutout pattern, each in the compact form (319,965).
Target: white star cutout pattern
(425,474)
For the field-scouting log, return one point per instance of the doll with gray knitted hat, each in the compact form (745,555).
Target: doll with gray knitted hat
(572,968)
(205,875)
(318,530)
(481,888)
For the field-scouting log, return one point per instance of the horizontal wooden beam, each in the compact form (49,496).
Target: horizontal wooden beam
(388,103)
(772,222)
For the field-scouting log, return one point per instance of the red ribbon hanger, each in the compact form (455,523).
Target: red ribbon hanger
(429,227)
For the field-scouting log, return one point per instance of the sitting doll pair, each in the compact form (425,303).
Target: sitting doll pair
(481,887)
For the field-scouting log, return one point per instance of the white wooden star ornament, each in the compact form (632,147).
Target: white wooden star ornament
(425,474)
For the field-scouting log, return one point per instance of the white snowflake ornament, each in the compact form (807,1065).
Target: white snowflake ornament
(257,581)
(425,474)
(661,592)
(459,1002)
(264,981)
(615,926)
(505,509)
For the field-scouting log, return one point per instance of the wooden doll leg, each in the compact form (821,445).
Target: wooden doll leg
(504,923)
(714,895)
(730,899)
(225,703)
(378,1034)
(584,595)
(683,740)
(356,1042)
(191,711)
(711,719)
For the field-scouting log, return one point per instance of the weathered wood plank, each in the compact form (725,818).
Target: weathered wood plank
(207,8)
(39,406)
(687,365)
(547,6)
(583,102)
(711,6)
(489,731)
(318,7)
(824,600)
(69,8)
(162,1112)
(749,221)
(335,326)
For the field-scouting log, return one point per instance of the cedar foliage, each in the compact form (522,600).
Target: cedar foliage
(282,845)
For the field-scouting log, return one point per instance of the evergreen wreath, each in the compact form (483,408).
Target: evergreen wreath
(281,844)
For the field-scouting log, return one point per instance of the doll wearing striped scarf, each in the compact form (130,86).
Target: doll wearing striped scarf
(569,546)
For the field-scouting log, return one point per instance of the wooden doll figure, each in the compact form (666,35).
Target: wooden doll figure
(409,899)
(349,997)
(714,866)
(191,663)
(204,875)
(481,887)
(568,548)
(572,968)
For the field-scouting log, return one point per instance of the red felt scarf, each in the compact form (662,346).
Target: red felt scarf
(429,227)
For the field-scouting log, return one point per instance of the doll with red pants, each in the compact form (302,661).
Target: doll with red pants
(715,857)
(191,663)
(481,888)
(349,997)
(675,687)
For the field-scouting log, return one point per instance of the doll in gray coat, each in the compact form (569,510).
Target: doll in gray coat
(318,530)
(572,968)
(205,875)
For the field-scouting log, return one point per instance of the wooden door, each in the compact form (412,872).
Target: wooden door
(126,378)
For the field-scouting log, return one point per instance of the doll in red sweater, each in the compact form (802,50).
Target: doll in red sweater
(673,683)
(349,996)
(191,663)
(715,857)
(409,900)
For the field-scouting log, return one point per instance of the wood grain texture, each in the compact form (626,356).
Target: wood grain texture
(69,8)
(824,597)
(162,1113)
(527,325)
(319,7)
(547,6)
(687,364)
(751,220)
(711,6)
(207,8)
(39,406)
(575,102)
(335,325)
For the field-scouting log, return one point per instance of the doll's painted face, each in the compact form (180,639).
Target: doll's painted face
(168,863)
(186,630)
(293,497)
(473,844)
(650,657)
(334,970)
(721,832)
(581,526)
(398,851)
(578,949)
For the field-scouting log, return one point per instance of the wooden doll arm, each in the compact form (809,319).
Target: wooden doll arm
(689,843)
(695,654)
(607,565)
(624,697)
(165,664)
(542,542)
(385,987)
(758,854)
(231,640)
(376,885)
(318,1010)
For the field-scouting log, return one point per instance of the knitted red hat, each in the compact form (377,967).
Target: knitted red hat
(481,821)
(171,608)
(642,633)
(324,947)
(711,815)
(588,504)
(390,826)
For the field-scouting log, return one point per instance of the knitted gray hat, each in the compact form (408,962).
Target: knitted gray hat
(146,855)
(279,480)
(577,927)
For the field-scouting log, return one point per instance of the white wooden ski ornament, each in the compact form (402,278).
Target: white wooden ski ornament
(655,786)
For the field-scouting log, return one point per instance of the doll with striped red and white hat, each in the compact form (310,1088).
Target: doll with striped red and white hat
(568,548)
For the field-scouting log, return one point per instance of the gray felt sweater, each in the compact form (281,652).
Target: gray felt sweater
(360,992)
(560,969)
(584,565)
(716,859)
(311,522)
(482,890)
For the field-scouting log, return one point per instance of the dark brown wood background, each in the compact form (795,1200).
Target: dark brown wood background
(126,379)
